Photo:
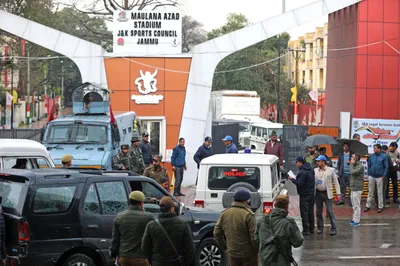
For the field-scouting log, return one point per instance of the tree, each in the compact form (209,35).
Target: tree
(192,33)
(234,22)
(107,7)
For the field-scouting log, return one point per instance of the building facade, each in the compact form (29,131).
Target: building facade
(308,57)
(364,81)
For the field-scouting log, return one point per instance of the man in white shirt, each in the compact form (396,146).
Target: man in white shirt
(325,179)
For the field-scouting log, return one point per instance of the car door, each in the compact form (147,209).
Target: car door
(52,216)
(101,201)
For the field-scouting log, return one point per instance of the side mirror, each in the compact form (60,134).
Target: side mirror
(181,209)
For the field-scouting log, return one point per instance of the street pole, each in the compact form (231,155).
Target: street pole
(296,111)
(28,87)
(126,4)
(283,6)
(12,93)
(62,87)
(278,97)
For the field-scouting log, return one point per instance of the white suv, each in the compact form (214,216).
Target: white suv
(221,175)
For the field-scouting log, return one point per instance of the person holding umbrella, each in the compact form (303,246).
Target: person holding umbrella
(313,141)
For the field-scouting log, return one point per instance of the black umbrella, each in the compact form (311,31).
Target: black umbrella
(315,140)
(356,147)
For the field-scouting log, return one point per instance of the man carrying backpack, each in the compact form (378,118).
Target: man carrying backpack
(276,234)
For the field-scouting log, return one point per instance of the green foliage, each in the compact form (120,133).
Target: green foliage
(234,22)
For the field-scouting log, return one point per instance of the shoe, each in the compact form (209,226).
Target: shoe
(306,233)
(351,221)
(176,194)
(355,224)
(388,201)
(333,232)
(366,209)
(386,206)
(380,210)
(181,194)
(320,231)
(340,203)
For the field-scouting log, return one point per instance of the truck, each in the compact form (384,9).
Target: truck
(92,135)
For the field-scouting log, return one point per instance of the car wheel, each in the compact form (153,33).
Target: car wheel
(79,260)
(209,253)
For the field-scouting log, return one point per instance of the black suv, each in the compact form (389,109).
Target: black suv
(65,217)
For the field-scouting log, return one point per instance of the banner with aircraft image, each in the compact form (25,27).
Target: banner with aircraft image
(376,131)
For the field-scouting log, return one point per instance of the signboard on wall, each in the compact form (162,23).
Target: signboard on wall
(148,31)
(376,131)
(240,106)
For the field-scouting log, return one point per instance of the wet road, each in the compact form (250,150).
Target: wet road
(375,242)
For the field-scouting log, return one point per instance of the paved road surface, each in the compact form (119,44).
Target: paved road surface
(375,242)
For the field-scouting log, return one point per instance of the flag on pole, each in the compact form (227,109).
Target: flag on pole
(314,94)
(294,94)
(112,118)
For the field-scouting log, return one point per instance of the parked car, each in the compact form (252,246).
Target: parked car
(221,175)
(65,217)
(34,153)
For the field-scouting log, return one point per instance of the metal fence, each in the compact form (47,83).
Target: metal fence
(33,134)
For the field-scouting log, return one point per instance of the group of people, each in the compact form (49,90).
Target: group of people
(270,240)
(316,179)
(140,240)
(136,157)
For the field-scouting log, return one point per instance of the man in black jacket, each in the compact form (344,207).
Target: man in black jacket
(305,183)
(145,146)
(155,244)
(203,151)
(2,238)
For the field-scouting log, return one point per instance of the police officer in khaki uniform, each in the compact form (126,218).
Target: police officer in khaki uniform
(235,230)
(123,160)
(156,171)
(136,156)
(66,161)
(128,231)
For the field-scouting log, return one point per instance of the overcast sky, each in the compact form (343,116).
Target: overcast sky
(213,13)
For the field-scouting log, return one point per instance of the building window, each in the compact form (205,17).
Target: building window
(156,129)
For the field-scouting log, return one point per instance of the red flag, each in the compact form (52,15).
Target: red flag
(51,116)
(112,118)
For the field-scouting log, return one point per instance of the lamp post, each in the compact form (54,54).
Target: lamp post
(62,86)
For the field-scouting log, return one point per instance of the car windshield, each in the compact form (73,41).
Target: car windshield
(224,177)
(77,133)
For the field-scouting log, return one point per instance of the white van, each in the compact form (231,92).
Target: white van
(221,175)
(13,151)
(260,132)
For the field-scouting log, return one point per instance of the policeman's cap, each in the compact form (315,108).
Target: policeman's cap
(124,146)
(167,202)
(242,195)
(135,139)
(66,158)
(145,134)
(137,195)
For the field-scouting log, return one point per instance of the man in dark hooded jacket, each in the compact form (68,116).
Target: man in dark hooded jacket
(276,234)
(203,151)
(305,183)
